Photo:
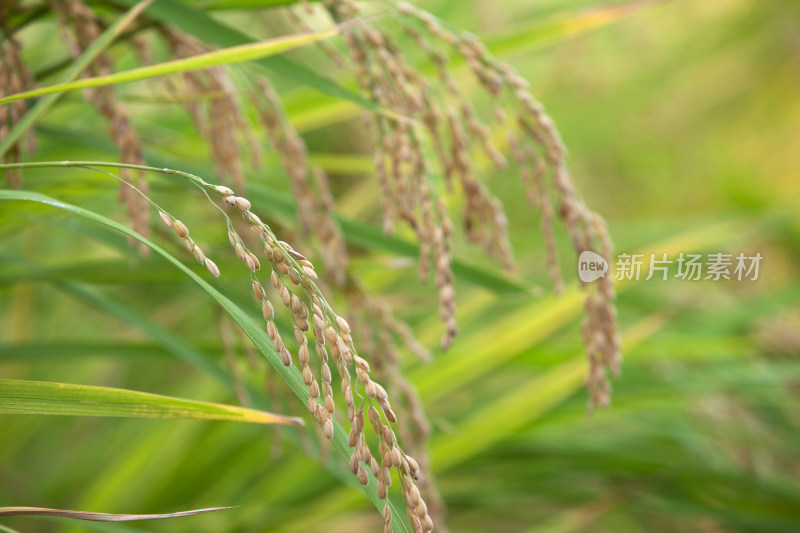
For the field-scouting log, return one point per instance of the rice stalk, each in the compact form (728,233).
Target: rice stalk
(14,77)
(293,277)
(453,128)
(80,27)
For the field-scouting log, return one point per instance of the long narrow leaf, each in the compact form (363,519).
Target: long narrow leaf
(226,56)
(100,517)
(44,398)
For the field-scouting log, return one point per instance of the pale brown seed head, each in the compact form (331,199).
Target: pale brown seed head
(310,272)
(198,254)
(286,358)
(421,508)
(252,262)
(348,355)
(344,327)
(180,229)
(363,478)
(331,335)
(312,405)
(336,352)
(348,394)
(396,459)
(242,203)
(286,296)
(223,190)
(267,311)
(299,337)
(328,429)
(268,253)
(240,253)
(320,414)
(411,464)
(411,494)
(426,522)
(352,438)
(295,304)
(283,267)
(258,290)
(303,355)
(165,218)
(361,363)
(212,267)
(380,392)
(302,324)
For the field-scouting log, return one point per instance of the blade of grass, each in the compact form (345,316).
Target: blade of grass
(291,375)
(226,56)
(44,398)
(89,55)
(100,517)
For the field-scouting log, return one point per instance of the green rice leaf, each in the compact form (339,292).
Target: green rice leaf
(100,517)
(226,56)
(19,397)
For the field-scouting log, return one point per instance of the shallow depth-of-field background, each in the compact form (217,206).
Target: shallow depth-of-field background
(683,125)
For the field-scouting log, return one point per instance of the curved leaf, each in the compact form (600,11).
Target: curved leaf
(44,398)
(100,517)
(226,56)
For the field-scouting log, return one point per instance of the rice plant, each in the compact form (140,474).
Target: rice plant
(192,190)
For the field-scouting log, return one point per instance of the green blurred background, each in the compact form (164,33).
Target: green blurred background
(682,123)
